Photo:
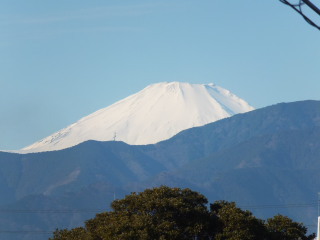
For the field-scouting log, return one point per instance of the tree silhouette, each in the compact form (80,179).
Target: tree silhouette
(298,6)
(165,213)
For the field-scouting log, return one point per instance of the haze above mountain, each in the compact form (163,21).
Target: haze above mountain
(156,113)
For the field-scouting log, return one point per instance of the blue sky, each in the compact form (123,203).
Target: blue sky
(62,60)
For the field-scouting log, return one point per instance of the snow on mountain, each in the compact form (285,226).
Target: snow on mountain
(156,113)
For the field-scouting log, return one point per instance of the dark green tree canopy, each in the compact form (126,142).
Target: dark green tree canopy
(283,228)
(73,234)
(236,224)
(165,213)
(158,213)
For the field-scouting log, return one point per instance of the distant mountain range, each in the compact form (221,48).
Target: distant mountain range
(267,160)
(156,113)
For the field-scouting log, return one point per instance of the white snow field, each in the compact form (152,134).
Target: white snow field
(156,113)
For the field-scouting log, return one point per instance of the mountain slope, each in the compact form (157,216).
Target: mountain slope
(120,163)
(264,157)
(156,113)
(203,141)
(272,169)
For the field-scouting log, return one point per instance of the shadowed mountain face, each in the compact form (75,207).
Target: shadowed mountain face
(265,157)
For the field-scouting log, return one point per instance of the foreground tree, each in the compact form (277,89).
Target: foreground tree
(158,213)
(235,223)
(73,234)
(283,228)
(176,214)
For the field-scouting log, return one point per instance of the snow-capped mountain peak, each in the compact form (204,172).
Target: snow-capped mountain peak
(156,113)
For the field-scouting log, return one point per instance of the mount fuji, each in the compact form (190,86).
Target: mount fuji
(156,113)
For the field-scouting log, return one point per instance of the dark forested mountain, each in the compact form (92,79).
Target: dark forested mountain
(270,156)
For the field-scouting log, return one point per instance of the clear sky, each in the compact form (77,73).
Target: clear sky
(62,60)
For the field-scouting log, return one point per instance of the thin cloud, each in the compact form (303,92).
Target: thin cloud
(84,14)
(103,19)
